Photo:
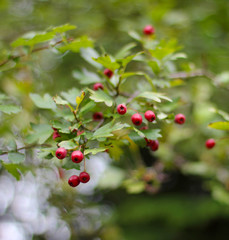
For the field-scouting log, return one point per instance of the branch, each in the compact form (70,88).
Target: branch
(198,73)
(28,147)
(13,57)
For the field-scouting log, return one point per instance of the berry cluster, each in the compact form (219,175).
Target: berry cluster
(77,157)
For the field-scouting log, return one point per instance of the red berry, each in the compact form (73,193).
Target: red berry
(77,156)
(108,73)
(150,116)
(97,86)
(84,177)
(154,144)
(179,118)
(97,116)
(148,141)
(55,135)
(121,109)
(74,181)
(136,119)
(210,143)
(61,153)
(148,30)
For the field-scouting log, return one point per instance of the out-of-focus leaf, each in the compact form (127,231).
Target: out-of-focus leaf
(125,51)
(134,186)
(101,96)
(79,100)
(45,102)
(68,144)
(86,77)
(152,134)
(9,109)
(63,28)
(67,164)
(134,35)
(88,54)
(62,126)
(77,44)
(221,113)
(9,65)
(94,151)
(87,107)
(126,60)
(220,125)
(154,96)
(15,169)
(41,133)
(33,38)
(16,157)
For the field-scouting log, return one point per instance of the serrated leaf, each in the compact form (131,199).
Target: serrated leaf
(94,151)
(63,28)
(45,102)
(9,109)
(70,95)
(106,130)
(68,144)
(154,96)
(14,169)
(33,38)
(137,139)
(101,96)
(59,101)
(77,44)
(87,107)
(220,125)
(152,134)
(126,60)
(16,157)
(41,133)
(107,62)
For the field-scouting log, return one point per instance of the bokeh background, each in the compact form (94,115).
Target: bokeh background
(194,201)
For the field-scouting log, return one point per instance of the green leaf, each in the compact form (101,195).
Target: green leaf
(9,109)
(220,125)
(62,126)
(106,130)
(134,186)
(88,54)
(67,164)
(154,96)
(94,151)
(63,28)
(86,77)
(152,134)
(134,35)
(125,51)
(70,95)
(154,66)
(45,102)
(107,63)
(87,107)
(33,38)
(41,133)
(68,144)
(137,139)
(8,65)
(15,169)
(128,59)
(77,44)
(16,157)
(58,100)
(225,115)
(101,96)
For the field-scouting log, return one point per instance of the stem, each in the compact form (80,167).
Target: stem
(33,51)
(198,73)
(28,147)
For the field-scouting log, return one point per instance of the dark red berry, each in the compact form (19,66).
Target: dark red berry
(210,143)
(144,128)
(148,30)
(179,118)
(97,86)
(61,153)
(77,156)
(84,177)
(74,181)
(154,144)
(97,116)
(148,141)
(108,73)
(136,119)
(121,109)
(150,116)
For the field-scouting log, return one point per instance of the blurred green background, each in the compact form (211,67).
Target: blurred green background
(184,208)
